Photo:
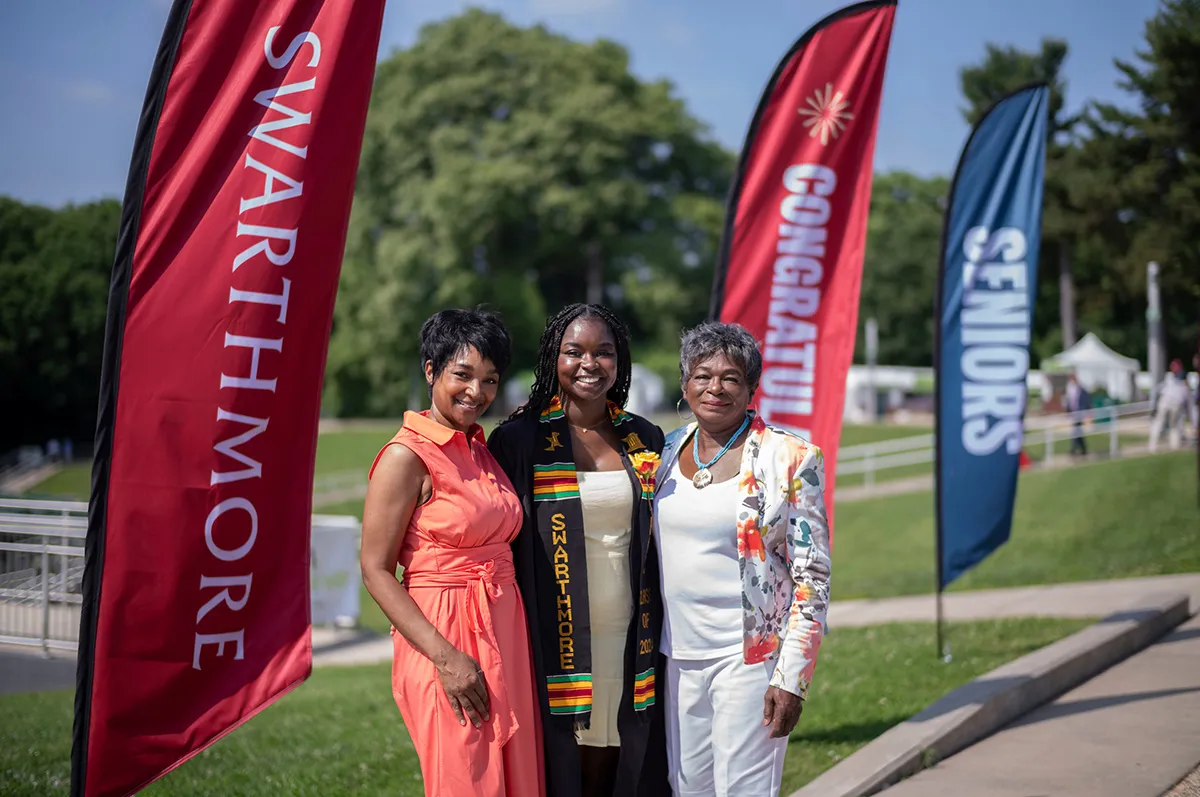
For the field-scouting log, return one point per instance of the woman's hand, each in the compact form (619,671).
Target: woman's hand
(781,710)
(465,687)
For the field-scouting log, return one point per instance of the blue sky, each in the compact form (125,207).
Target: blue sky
(73,72)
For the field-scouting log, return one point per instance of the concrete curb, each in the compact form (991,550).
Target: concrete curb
(990,702)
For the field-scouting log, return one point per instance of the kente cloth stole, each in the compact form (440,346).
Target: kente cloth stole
(558,514)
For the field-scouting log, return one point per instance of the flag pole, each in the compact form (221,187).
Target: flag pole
(941,649)
(938,527)
(939,309)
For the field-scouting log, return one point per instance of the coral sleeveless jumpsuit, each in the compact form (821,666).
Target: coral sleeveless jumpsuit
(458,568)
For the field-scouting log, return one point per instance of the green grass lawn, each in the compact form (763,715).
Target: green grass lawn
(340,732)
(72,483)
(1116,519)
(340,452)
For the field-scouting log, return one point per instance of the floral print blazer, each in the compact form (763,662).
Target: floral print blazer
(783,548)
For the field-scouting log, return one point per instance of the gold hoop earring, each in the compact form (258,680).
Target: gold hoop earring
(679,411)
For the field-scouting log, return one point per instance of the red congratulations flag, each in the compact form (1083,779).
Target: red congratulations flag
(195,592)
(791,257)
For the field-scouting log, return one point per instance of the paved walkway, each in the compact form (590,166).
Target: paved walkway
(1078,599)
(25,669)
(1132,731)
(27,480)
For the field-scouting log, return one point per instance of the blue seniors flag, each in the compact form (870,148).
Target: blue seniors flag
(986,287)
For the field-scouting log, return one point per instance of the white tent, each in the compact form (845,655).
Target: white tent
(1096,365)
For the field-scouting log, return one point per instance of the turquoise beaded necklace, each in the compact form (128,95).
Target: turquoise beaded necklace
(703,476)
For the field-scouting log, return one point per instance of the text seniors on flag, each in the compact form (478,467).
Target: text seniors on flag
(987,282)
(790,265)
(196,591)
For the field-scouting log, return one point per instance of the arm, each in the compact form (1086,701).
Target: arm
(809,562)
(807,550)
(392,495)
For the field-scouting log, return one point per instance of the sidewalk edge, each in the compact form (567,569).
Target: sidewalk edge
(983,706)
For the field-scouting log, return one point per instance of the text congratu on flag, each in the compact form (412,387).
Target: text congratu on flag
(790,355)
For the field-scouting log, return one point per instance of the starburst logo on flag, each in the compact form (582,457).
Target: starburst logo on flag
(827,114)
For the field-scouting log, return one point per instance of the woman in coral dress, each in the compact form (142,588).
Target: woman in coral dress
(440,507)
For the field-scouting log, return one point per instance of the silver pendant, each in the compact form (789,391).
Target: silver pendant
(702,479)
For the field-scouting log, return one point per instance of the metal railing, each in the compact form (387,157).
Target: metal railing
(41,571)
(1042,433)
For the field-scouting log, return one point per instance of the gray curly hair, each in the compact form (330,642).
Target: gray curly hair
(712,337)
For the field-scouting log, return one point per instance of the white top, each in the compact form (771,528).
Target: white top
(607,499)
(1173,393)
(696,533)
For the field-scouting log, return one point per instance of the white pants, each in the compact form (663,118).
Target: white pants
(1172,418)
(717,745)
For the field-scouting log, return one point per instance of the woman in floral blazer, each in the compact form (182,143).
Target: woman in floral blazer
(739,518)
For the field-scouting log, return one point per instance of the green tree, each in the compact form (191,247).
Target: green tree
(1003,70)
(1143,190)
(904,232)
(513,166)
(54,267)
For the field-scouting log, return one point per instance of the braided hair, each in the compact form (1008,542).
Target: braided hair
(545,374)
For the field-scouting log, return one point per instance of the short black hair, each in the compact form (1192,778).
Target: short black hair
(545,375)
(446,333)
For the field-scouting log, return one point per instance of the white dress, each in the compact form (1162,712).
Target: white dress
(607,498)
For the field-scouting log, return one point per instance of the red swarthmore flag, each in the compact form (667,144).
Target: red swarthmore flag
(196,594)
(791,257)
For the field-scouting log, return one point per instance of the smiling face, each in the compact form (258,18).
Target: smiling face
(717,392)
(587,360)
(464,389)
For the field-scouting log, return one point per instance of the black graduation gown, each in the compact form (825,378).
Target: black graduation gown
(642,766)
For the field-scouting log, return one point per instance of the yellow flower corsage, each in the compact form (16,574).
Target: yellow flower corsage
(645,464)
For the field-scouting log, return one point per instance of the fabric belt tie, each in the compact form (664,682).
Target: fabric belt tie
(483,580)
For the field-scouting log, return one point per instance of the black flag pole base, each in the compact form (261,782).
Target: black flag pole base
(943,644)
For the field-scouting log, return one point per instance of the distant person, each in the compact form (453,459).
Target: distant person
(1195,400)
(584,468)
(439,505)
(53,450)
(743,537)
(1078,401)
(1172,410)
(68,450)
